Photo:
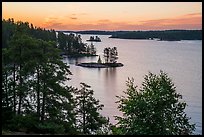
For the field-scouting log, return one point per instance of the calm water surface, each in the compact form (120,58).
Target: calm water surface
(182,60)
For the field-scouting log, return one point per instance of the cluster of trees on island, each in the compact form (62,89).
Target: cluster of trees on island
(35,98)
(110,55)
(110,60)
(96,39)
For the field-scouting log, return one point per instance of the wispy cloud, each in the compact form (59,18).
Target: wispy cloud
(194,14)
(188,21)
(73,18)
(103,21)
(52,22)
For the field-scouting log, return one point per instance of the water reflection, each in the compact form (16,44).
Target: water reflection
(77,60)
(110,78)
(111,89)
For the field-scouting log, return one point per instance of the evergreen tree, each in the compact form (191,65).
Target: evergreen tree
(107,54)
(99,60)
(32,84)
(110,55)
(89,119)
(154,109)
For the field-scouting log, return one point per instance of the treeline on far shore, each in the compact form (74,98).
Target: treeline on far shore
(169,35)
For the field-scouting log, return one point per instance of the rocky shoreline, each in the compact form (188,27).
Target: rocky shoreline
(100,65)
(94,40)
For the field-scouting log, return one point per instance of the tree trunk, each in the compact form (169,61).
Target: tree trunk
(38,93)
(20,91)
(21,82)
(6,90)
(14,88)
(44,89)
(43,103)
(83,110)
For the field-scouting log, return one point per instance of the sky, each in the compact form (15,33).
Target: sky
(109,16)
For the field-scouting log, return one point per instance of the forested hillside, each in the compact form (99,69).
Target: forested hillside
(70,45)
(34,96)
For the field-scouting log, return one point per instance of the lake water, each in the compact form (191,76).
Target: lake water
(181,60)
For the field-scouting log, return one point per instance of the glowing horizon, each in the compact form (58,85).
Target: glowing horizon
(109,16)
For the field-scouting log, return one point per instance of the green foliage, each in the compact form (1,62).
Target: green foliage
(116,131)
(105,129)
(89,119)
(110,55)
(155,109)
(50,128)
(22,123)
(10,27)
(68,44)
(33,75)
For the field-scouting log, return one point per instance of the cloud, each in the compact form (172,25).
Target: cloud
(103,21)
(53,22)
(83,13)
(73,18)
(188,21)
(50,19)
(194,14)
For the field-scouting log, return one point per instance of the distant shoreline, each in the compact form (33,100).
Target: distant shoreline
(94,40)
(145,39)
(168,35)
(161,35)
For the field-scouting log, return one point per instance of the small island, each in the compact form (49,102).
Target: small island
(110,56)
(96,39)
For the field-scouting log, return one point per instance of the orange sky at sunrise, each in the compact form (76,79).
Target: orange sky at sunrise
(106,15)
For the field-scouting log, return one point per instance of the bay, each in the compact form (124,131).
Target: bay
(181,60)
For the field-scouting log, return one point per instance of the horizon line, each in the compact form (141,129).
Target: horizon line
(129,30)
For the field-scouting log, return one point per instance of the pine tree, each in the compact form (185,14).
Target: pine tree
(33,84)
(89,120)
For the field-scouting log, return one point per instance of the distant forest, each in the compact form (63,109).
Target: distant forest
(169,35)
(96,32)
